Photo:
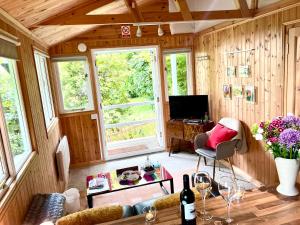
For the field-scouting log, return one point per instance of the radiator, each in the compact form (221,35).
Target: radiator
(63,160)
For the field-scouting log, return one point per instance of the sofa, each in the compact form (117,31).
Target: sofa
(114,212)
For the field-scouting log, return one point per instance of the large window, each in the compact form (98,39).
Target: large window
(14,130)
(75,85)
(45,89)
(177,72)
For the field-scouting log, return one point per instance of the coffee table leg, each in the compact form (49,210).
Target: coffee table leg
(172,186)
(163,188)
(90,201)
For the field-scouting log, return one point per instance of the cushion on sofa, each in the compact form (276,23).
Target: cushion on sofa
(138,207)
(92,216)
(45,207)
(172,200)
(127,211)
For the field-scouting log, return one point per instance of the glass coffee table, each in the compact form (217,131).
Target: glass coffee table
(160,176)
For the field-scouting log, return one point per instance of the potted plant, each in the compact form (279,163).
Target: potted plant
(282,138)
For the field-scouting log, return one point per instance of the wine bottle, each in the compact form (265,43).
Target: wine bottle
(206,117)
(187,203)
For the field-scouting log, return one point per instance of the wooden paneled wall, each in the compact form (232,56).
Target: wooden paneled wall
(83,136)
(265,36)
(40,175)
(83,154)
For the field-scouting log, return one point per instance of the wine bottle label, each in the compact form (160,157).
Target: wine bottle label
(189,211)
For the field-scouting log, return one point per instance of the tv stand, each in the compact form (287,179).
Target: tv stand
(181,133)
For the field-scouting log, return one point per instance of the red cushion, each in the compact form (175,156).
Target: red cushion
(219,134)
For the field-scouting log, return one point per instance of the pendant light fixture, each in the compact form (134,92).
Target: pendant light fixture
(139,32)
(160,31)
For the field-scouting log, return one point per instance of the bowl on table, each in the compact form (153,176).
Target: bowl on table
(149,170)
(130,176)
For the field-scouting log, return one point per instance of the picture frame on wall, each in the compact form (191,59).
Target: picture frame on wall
(250,93)
(231,71)
(237,91)
(244,71)
(227,91)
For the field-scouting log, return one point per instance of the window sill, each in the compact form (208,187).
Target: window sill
(77,113)
(13,184)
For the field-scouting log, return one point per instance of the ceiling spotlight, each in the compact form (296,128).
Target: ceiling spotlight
(160,31)
(139,32)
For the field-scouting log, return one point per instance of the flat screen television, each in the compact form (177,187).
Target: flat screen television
(188,106)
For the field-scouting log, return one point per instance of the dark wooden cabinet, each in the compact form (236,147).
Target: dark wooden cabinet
(180,134)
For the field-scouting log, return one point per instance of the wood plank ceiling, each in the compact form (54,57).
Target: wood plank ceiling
(55,21)
(31,13)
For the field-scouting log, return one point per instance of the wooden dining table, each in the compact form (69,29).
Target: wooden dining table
(264,207)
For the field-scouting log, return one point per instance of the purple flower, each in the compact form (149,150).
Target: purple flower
(290,137)
(291,121)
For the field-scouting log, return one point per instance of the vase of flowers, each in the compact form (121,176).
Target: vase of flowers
(282,138)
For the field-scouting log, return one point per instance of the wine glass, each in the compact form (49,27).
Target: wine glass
(240,192)
(227,189)
(203,184)
(150,214)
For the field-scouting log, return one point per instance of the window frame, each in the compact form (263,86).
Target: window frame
(6,154)
(189,70)
(90,96)
(43,59)
(3,162)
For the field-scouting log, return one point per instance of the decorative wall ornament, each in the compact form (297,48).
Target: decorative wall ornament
(237,91)
(250,93)
(244,71)
(227,91)
(231,71)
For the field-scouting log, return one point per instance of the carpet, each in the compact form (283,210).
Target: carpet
(177,165)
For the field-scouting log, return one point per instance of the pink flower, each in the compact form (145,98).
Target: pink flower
(273,139)
(262,125)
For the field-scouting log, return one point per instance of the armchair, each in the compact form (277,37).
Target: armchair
(224,150)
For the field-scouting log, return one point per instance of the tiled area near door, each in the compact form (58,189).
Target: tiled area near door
(133,146)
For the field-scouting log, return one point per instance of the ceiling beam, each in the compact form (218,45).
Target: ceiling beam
(150,17)
(244,8)
(133,9)
(79,10)
(184,9)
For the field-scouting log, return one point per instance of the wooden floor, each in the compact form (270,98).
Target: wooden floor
(263,207)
